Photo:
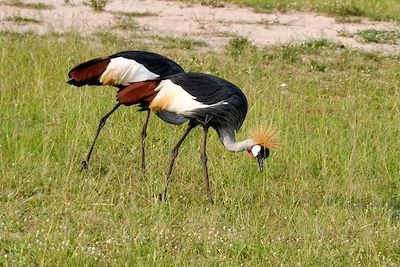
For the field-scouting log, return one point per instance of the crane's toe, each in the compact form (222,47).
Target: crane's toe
(85,165)
(161,197)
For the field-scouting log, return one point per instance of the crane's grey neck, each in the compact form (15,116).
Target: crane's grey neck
(228,139)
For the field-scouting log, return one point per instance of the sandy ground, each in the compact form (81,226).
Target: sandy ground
(215,26)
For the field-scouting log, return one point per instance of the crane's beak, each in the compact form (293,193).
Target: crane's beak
(264,153)
(260,161)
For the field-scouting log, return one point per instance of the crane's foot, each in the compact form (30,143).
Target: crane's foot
(85,165)
(161,197)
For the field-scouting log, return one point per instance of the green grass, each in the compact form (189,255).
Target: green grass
(213,3)
(330,196)
(20,19)
(126,20)
(379,36)
(375,9)
(96,5)
(21,4)
(125,24)
(350,19)
(186,43)
(237,45)
(374,36)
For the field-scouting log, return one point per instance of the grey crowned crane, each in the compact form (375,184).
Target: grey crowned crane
(121,70)
(204,100)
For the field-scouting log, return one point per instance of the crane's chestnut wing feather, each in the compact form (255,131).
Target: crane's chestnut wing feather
(88,73)
(137,93)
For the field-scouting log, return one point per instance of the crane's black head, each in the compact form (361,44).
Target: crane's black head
(260,153)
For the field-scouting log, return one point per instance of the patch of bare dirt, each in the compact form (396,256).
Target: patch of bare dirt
(215,26)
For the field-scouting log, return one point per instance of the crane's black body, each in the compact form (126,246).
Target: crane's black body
(89,73)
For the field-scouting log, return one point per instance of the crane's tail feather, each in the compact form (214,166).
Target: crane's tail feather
(266,137)
(88,73)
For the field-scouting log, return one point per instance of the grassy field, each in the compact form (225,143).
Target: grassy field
(330,196)
(375,9)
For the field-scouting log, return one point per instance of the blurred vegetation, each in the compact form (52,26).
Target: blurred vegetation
(330,196)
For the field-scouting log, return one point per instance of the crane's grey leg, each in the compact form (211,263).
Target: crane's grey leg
(174,153)
(203,157)
(85,163)
(144,135)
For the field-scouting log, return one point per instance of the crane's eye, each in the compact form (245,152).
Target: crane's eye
(255,150)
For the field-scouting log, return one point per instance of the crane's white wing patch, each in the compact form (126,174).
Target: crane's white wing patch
(174,98)
(123,71)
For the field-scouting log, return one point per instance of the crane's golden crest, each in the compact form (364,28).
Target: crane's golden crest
(265,137)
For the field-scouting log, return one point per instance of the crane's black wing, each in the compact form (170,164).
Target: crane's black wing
(155,63)
(88,73)
(226,103)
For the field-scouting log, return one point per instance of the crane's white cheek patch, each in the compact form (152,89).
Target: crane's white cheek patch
(255,150)
(125,71)
(174,98)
